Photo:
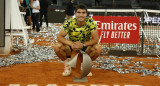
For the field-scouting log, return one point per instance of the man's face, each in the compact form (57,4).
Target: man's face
(72,0)
(81,15)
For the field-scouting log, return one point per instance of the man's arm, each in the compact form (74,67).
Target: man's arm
(94,40)
(61,38)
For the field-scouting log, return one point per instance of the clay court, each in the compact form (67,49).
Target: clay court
(50,72)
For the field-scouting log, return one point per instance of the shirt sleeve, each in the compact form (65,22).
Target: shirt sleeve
(93,25)
(66,26)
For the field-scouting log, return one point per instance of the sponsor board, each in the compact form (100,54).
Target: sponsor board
(118,29)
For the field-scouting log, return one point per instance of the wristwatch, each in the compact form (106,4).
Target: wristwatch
(84,44)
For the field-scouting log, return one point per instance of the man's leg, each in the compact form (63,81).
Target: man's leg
(46,18)
(36,21)
(95,2)
(63,51)
(41,16)
(33,19)
(94,51)
(29,20)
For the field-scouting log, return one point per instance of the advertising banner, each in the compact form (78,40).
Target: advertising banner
(118,29)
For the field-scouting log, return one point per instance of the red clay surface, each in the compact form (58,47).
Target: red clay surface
(44,73)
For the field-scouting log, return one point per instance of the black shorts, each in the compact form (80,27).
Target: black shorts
(83,49)
(28,12)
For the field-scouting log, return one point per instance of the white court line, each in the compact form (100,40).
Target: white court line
(98,85)
(74,85)
(32,85)
(14,84)
(51,85)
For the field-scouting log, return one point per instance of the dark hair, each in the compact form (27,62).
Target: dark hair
(81,6)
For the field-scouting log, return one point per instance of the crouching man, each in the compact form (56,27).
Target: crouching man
(80,30)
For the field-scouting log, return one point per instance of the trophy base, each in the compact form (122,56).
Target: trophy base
(84,79)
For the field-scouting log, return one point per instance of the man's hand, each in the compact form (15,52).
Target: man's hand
(74,47)
(79,45)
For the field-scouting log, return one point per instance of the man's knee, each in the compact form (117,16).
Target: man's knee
(94,48)
(97,48)
(57,46)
